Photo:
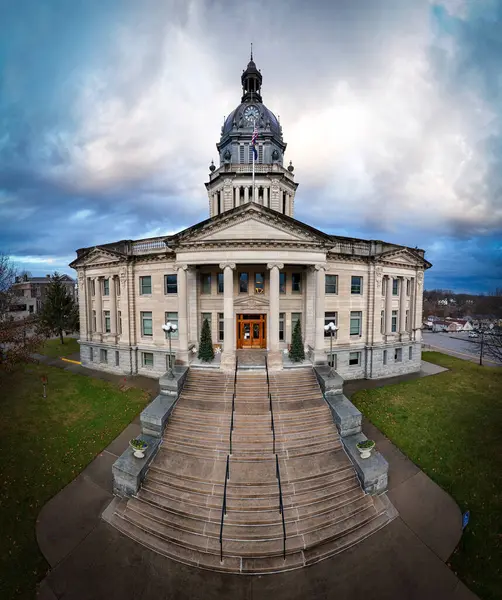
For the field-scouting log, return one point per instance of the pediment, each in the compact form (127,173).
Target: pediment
(403,257)
(254,301)
(97,256)
(249,223)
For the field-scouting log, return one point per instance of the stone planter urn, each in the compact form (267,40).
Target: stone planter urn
(138,447)
(365,448)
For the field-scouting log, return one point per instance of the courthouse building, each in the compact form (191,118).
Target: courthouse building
(252,270)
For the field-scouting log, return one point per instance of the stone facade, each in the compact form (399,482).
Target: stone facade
(252,270)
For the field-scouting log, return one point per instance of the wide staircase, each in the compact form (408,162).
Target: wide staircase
(266,506)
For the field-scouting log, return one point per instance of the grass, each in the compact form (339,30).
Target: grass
(450,425)
(55,349)
(44,444)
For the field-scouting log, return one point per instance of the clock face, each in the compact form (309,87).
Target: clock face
(251,114)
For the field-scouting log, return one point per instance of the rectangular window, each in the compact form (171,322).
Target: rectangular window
(147,359)
(146,324)
(356,285)
(205,283)
(410,353)
(106,287)
(107,321)
(282,282)
(406,320)
(398,354)
(355,322)
(171,284)
(94,320)
(172,317)
(91,354)
(382,322)
(260,153)
(407,287)
(221,327)
(221,284)
(330,317)
(243,283)
(204,316)
(259,283)
(120,322)
(385,357)
(296,282)
(145,285)
(241,153)
(103,355)
(281,327)
(117,358)
(394,321)
(395,287)
(117,286)
(354,359)
(331,284)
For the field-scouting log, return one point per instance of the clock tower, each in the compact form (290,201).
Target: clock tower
(231,183)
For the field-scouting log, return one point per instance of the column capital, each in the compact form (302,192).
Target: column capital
(279,265)
(179,266)
(230,265)
(320,266)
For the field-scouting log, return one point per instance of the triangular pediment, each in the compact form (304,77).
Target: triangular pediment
(250,222)
(403,256)
(254,301)
(97,256)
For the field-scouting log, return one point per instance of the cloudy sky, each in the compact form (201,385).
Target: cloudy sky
(110,111)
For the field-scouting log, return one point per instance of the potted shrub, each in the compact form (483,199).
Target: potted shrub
(365,448)
(138,447)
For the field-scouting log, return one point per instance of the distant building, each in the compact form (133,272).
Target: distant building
(30,294)
(460,325)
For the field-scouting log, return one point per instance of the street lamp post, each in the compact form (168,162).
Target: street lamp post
(170,328)
(332,328)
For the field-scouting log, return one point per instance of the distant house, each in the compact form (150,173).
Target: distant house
(30,293)
(460,325)
(439,326)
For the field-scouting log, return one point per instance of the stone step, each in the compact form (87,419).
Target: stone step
(245,438)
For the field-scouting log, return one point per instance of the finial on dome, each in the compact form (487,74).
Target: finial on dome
(211,166)
(290,167)
(251,50)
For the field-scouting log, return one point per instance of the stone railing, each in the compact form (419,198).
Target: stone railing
(248,168)
(149,246)
(354,248)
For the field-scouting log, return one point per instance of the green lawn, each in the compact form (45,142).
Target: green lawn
(450,425)
(55,349)
(44,444)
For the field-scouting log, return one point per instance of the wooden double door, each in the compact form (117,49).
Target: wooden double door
(251,331)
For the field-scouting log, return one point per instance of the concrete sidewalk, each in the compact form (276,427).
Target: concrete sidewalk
(90,559)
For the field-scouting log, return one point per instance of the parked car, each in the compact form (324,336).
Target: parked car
(473,334)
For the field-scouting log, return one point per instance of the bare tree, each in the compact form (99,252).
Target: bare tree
(17,340)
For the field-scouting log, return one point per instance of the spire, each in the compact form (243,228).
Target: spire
(251,82)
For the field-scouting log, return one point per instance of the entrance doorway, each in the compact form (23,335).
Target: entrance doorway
(251,331)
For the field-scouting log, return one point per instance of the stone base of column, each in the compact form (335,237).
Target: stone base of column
(404,336)
(274,360)
(319,356)
(227,360)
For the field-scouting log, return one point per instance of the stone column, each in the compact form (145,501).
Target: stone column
(402,305)
(99,304)
(182,354)
(388,304)
(90,324)
(246,194)
(228,356)
(113,306)
(265,196)
(273,325)
(319,352)
(236,196)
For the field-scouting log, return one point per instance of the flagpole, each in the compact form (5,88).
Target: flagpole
(253,175)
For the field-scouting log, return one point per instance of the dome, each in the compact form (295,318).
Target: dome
(267,121)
